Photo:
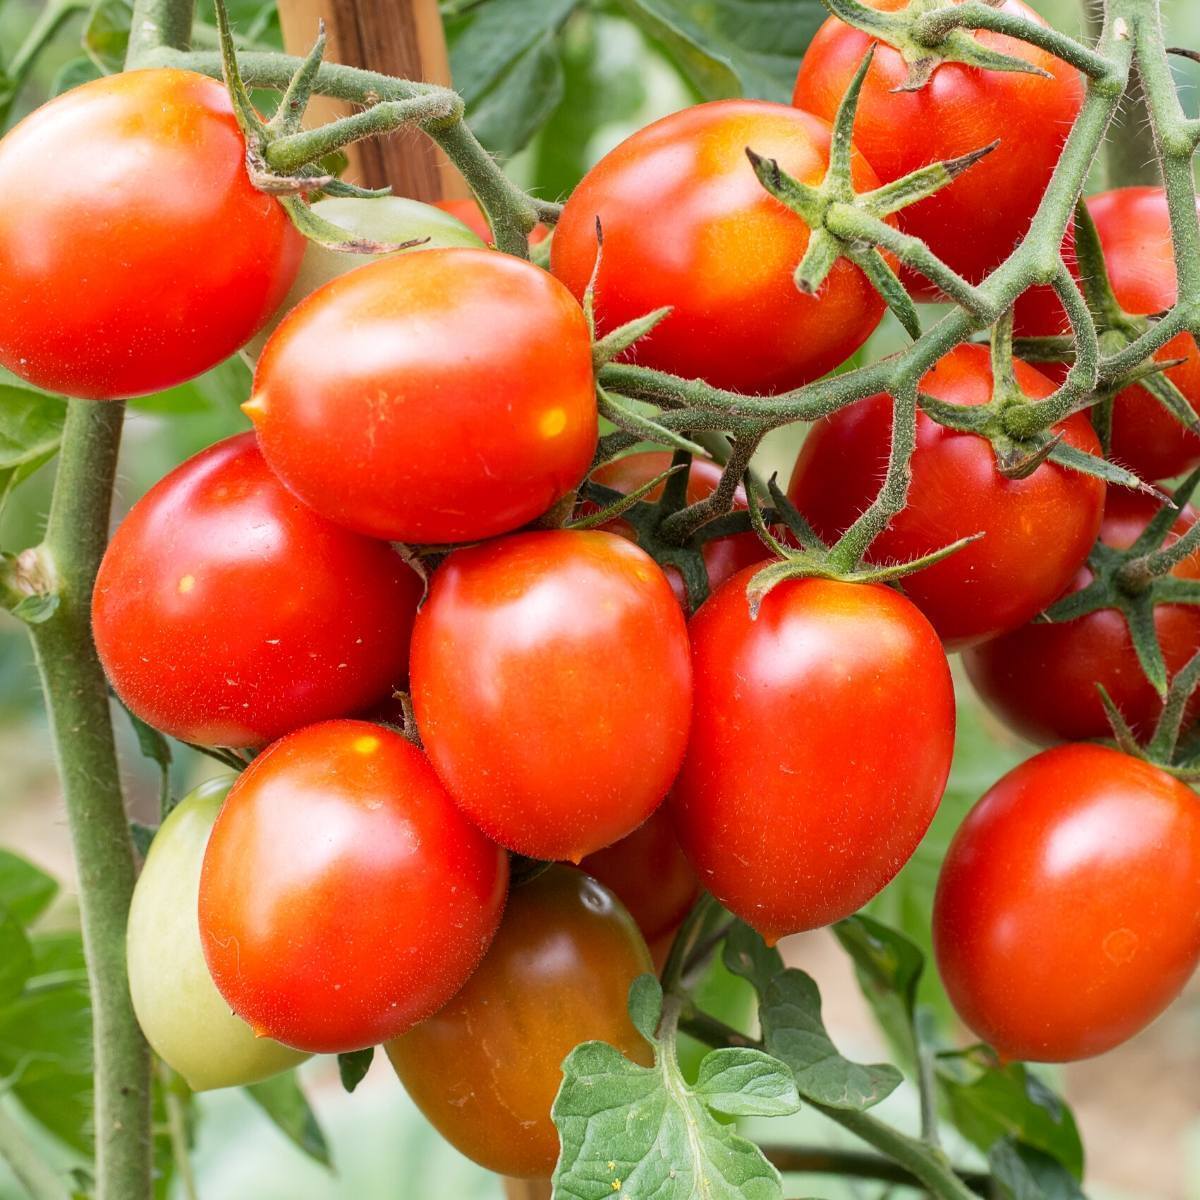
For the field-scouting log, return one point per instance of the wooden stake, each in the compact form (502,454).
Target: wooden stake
(526,1189)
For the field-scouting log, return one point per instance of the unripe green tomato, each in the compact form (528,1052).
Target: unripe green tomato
(177,1004)
(391,219)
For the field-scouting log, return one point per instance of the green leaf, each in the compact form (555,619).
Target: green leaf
(157,749)
(1024,1173)
(747,1083)
(793,1031)
(733,47)
(16,957)
(33,610)
(25,890)
(747,955)
(106,34)
(282,1100)
(353,1066)
(30,431)
(889,968)
(75,73)
(645,1005)
(641,1131)
(141,836)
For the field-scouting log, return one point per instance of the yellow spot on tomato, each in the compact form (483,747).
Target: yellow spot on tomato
(186,584)
(552,422)
(367,744)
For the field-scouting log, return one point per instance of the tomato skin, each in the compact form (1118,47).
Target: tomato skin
(485,1069)
(136,252)
(566,731)
(820,746)
(1037,531)
(649,873)
(1135,234)
(1041,678)
(369,408)
(1067,915)
(227,613)
(974,223)
(185,1020)
(722,556)
(329,828)
(686,223)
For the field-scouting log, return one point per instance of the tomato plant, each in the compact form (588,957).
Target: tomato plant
(136,251)
(580,646)
(1066,913)
(556,975)
(227,613)
(319,835)
(372,364)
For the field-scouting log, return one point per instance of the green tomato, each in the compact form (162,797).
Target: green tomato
(177,1004)
(391,219)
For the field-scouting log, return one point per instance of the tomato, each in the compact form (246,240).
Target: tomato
(819,749)
(1037,531)
(686,223)
(552,688)
(650,875)
(441,396)
(486,1068)
(343,896)
(1135,233)
(185,1020)
(471,215)
(974,223)
(722,556)
(136,251)
(1041,678)
(391,219)
(227,613)
(1067,915)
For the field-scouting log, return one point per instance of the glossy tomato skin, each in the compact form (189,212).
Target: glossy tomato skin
(343,896)
(185,1020)
(1135,234)
(1067,915)
(819,750)
(722,556)
(435,396)
(1037,531)
(975,222)
(552,687)
(686,223)
(227,613)
(485,1069)
(1041,679)
(136,253)
(649,873)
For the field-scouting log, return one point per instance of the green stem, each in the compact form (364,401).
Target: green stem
(177,1130)
(31,1170)
(821,1160)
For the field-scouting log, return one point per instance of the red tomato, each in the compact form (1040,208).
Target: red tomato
(136,253)
(471,215)
(227,613)
(1067,915)
(819,750)
(974,223)
(343,896)
(650,875)
(1041,678)
(1037,531)
(486,1068)
(686,223)
(439,396)
(722,556)
(1135,233)
(552,688)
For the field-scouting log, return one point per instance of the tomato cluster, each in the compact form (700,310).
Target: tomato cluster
(353,887)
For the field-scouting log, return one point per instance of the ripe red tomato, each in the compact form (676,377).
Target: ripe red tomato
(1037,531)
(136,252)
(820,745)
(722,556)
(1041,678)
(471,215)
(552,688)
(686,223)
(1067,916)
(343,896)
(486,1068)
(649,873)
(439,396)
(1135,233)
(227,613)
(974,223)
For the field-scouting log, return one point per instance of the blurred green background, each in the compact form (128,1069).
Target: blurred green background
(571,81)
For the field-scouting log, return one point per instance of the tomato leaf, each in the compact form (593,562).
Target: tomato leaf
(30,431)
(645,1005)
(157,749)
(1024,1173)
(16,956)
(25,890)
(354,1065)
(283,1101)
(747,1083)
(106,34)
(747,955)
